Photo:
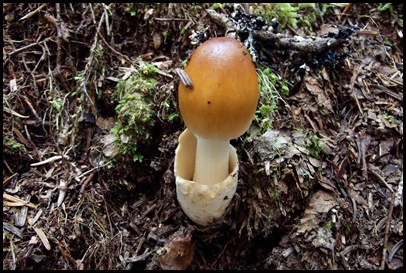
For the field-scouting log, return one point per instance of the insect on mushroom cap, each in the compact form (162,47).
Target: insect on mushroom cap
(225,91)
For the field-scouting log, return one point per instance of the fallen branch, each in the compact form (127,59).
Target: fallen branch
(298,43)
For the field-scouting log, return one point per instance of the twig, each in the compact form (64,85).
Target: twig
(311,122)
(91,56)
(11,111)
(380,178)
(398,96)
(112,49)
(347,7)
(363,143)
(385,242)
(27,101)
(85,183)
(139,257)
(8,179)
(8,167)
(222,20)
(13,265)
(32,13)
(38,64)
(105,8)
(171,19)
(300,44)
(58,37)
(89,171)
(49,160)
(28,46)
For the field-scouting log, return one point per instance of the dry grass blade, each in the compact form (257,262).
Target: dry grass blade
(395,248)
(20,137)
(13,201)
(43,238)
(41,235)
(8,179)
(13,229)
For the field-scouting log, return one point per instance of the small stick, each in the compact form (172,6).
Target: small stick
(385,242)
(32,13)
(171,19)
(49,160)
(27,101)
(85,183)
(8,179)
(380,178)
(14,113)
(29,46)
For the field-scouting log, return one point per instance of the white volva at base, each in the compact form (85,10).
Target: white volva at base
(202,203)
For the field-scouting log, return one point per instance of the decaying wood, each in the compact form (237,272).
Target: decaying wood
(300,44)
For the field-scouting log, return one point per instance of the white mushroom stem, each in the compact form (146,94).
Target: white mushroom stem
(212,161)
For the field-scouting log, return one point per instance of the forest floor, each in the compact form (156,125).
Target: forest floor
(91,125)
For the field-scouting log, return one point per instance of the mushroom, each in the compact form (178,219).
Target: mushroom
(217,107)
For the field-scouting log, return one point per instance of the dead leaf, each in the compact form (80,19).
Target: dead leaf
(178,254)
(321,202)
(324,239)
(105,123)
(316,89)
(109,147)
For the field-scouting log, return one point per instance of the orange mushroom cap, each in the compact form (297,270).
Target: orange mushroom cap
(225,92)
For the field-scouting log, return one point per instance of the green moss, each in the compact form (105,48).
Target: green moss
(150,70)
(10,144)
(391,119)
(330,225)
(386,6)
(135,117)
(271,86)
(276,195)
(216,6)
(57,104)
(314,146)
(287,14)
